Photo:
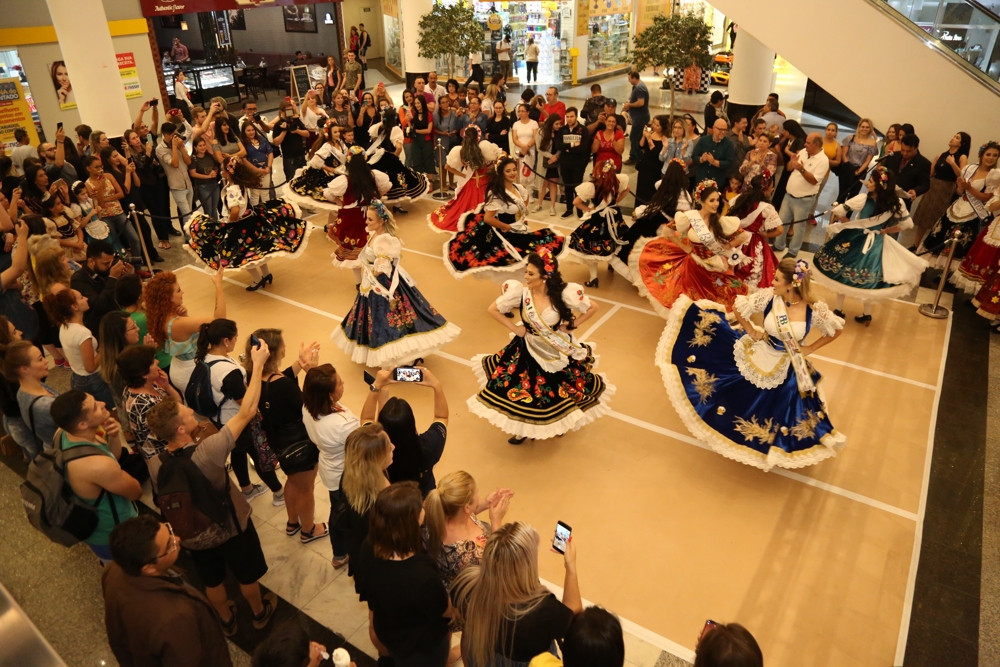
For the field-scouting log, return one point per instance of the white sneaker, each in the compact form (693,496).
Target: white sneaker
(279,499)
(255,490)
(536,208)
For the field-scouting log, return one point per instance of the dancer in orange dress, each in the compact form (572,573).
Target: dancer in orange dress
(472,162)
(696,256)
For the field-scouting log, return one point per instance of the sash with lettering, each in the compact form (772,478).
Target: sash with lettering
(791,343)
(551,348)
(734,256)
(978,206)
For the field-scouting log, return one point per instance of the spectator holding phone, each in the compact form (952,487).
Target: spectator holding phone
(416,453)
(594,637)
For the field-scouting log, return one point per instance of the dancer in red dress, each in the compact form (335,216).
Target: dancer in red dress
(695,257)
(472,162)
(761,221)
(982,259)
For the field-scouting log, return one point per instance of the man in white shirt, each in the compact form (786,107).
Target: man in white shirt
(477,75)
(174,159)
(808,169)
(22,151)
(433,88)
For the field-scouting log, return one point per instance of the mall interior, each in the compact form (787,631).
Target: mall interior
(886,555)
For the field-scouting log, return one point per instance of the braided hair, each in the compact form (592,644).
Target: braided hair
(748,201)
(554,286)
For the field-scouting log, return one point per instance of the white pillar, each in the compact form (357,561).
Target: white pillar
(410,12)
(753,71)
(85,41)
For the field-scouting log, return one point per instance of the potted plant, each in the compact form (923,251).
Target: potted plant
(673,42)
(450,30)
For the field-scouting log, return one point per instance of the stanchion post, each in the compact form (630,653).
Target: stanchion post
(442,193)
(142,241)
(933,310)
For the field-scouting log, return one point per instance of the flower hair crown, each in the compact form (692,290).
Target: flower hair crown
(230,164)
(473,127)
(329,123)
(800,272)
(679,161)
(380,208)
(704,185)
(988,145)
(548,262)
(500,158)
(882,174)
(609,165)
(355,151)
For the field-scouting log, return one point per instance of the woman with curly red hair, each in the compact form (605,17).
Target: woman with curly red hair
(173,329)
(596,237)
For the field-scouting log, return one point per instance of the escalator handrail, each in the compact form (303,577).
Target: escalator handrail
(984,10)
(992,84)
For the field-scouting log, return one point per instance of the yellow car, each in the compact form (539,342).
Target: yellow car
(720,77)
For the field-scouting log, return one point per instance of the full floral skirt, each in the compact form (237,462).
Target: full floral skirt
(934,243)
(987,299)
(406,183)
(594,238)
(307,186)
(445,218)
(477,249)
(759,427)
(270,229)
(759,272)
(348,231)
(843,267)
(663,271)
(975,268)
(386,332)
(520,398)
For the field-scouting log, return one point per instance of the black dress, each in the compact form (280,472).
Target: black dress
(648,172)
(494,128)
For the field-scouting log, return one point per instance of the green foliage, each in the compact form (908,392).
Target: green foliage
(674,42)
(449,31)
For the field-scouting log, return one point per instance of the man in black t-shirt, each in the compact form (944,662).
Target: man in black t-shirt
(573,146)
(289,133)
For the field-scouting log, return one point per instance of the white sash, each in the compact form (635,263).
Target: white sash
(977,206)
(519,217)
(735,256)
(550,347)
(787,336)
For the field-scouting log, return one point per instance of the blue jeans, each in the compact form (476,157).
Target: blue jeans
(22,435)
(94,385)
(123,229)
(794,208)
(211,197)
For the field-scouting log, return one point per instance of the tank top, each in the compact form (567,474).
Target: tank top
(183,351)
(943,170)
(105,514)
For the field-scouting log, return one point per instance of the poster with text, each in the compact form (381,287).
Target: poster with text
(130,75)
(64,88)
(14,114)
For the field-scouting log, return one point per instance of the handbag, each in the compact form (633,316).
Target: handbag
(295,451)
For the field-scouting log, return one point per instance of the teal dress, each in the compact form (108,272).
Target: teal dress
(859,262)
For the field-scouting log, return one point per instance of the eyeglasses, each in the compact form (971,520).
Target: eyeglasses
(172,544)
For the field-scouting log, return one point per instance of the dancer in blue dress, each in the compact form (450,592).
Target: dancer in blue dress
(751,395)
(861,260)
(391,322)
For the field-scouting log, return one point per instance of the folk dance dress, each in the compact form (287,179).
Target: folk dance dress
(478,248)
(348,230)
(391,322)
(756,402)
(966,215)
(859,262)
(646,225)
(759,272)
(270,229)
(598,236)
(987,299)
(982,257)
(306,186)
(406,183)
(662,270)
(543,384)
(470,188)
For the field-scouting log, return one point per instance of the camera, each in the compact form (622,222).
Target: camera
(128,259)
(154,102)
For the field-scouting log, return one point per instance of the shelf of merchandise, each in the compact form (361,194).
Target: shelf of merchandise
(610,45)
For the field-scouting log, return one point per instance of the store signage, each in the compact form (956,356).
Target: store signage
(494,22)
(130,75)
(64,89)
(165,8)
(14,114)
(582,18)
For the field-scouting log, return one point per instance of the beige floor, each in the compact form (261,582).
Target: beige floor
(815,562)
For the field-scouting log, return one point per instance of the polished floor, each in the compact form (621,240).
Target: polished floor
(818,562)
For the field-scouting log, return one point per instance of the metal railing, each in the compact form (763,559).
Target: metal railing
(965,31)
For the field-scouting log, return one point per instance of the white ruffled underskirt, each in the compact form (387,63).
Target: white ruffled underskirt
(894,292)
(574,421)
(776,456)
(308,202)
(402,351)
(964,283)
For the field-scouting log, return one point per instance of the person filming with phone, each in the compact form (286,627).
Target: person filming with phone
(416,453)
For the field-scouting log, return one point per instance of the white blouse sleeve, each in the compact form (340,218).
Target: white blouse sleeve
(684,201)
(386,248)
(382,181)
(585,191)
(510,296)
(454,159)
(396,135)
(574,298)
(771,219)
(494,204)
(489,151)
(235,198)
(855,203)
(681,222)
(336,188)
(754,303)
(318,160)
(622,183)
(903,220)
(823,319)
(992,181)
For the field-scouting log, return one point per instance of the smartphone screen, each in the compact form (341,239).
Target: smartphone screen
(408,374)
(369,378)
(59,126)
(561,537)
(255,341)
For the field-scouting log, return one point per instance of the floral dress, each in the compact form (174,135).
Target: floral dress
(470,190)
(742,397)
(859,262)
(272,228)
(598,236)
(759,272)
(542,384)
(459,555)
(306,186)
(391,323)
(982,258)
(480,248)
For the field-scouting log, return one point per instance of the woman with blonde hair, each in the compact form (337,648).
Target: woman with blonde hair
(52,275)
(856,153)
(456,537)
(367,455)
(511,616)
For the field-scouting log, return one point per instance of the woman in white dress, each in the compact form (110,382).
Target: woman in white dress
(523,133)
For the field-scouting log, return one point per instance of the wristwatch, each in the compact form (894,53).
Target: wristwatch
(372,388)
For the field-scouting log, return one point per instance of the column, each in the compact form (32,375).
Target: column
(752,78)
(410,12)
(85,41)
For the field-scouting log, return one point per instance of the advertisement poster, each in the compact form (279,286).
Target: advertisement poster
(393,38)
(64,88)
(14,114)
(582,18)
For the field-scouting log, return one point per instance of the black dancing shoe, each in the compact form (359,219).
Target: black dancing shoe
(268,279)
(517,441)
(839,313)
(864,319)
(592,283)
(258,285)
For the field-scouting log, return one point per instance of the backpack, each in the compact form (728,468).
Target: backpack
(198,394)
(48,499)
(196,511)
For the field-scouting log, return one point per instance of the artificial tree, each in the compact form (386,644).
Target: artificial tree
(450,31)
(673,42)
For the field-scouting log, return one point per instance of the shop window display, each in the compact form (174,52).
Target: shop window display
(610,43)
(549,22)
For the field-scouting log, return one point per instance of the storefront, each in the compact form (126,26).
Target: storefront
(609,30)
(970,33)
(549,23)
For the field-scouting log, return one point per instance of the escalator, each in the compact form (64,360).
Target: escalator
(932,63)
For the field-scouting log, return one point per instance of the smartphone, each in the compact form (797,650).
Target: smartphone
(369,378)
(561,538)
(59,126)
(255,341)
(408,374)
(154,102)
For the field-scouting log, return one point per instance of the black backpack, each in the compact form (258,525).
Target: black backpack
(198,393)
(197,512)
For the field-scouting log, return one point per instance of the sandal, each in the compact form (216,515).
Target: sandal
(312,535)
(163,245)
(292,528)
(229,629)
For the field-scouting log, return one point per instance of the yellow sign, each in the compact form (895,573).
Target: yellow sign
(130,75)
(390,8)
(606,7)
(582,18)
(494,22)
(14,114)
(648,10)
